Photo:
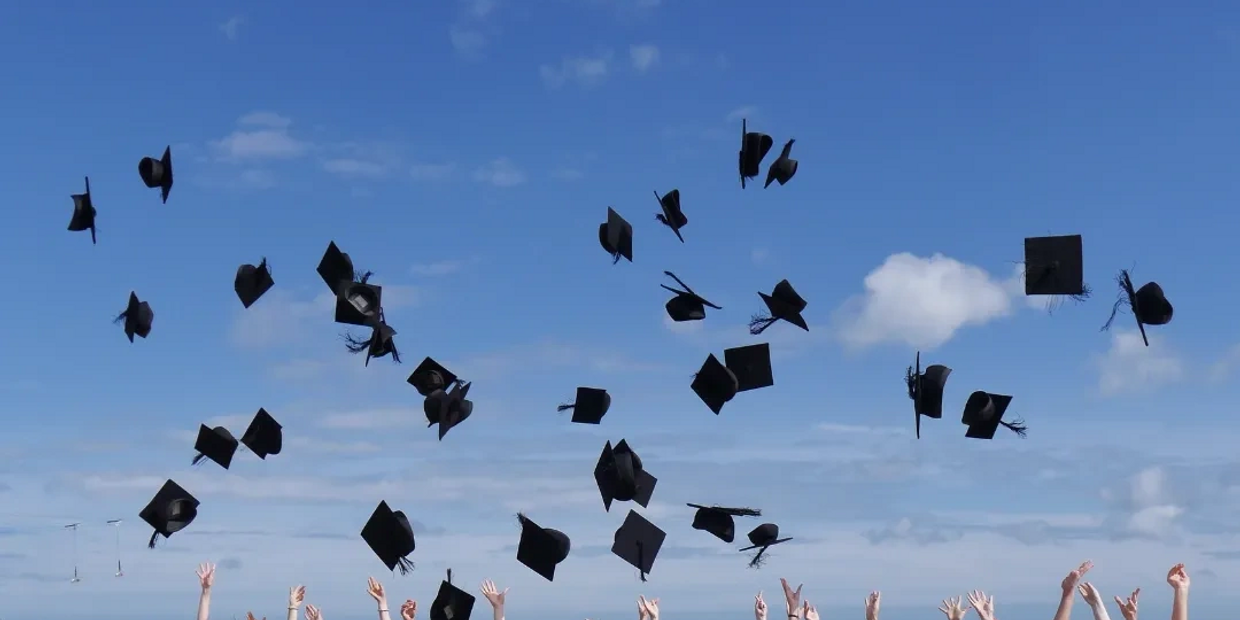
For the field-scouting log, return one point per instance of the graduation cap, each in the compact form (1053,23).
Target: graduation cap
(357,301)
(590,405)
(137,316)
(782,169)
(715,384)
(264,436)
(761,538)
(672,216)
(638,542)
(754,147)
(686,305)
(448,409)
(541,548)
(1054,266)
(252,281)
(616,236)
(718,521)
(430,376)
(391,537)
(1148,304)
(83,213)
(783,303)
(983,414)
(621,477)
(158,172)
(751,365)
(451,603)
(170,511)
(379,344)
(926,390)
(216,444)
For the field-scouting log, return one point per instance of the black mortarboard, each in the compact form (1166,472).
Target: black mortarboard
(751,365)
(217,444)
(252,281)
(782,169)
(616,236)
(391,537)
(357,301)
(170,511)
(1148,304)
(754,147)
(83,213)
(715,384)
(783,303)
(1055,266)
(264,436)
(672,216)
(448,409)
(719,520)
(541,548)
(983,414)
(379,344)
(590,405)
(926,390)
(137,316)
(158,172)
(686,305)
(621,477)
(430,376)
(761,538)
(638,542)
(451,603)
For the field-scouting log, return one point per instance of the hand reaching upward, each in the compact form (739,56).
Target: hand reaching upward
(206,575)
(982,604)
(651,606)
(872,603)
(1090,594)
(250,616)
(1178,578)
(954,609)
(409,610)
(493,594)
(375,589)
(759,607)
(313,613)
(296,595)
(641,610)
(809,611)
(1129,607)
(1070,582)
(792,598)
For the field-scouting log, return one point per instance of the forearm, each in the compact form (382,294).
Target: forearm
(384,614)
(497,612)
(1100,611)
(204,605)
(292,613)
(1179,607)
(1064,612)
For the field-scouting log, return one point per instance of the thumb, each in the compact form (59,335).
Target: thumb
(505,590)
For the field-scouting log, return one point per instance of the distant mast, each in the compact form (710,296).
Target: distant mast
(116,523)
(74,527)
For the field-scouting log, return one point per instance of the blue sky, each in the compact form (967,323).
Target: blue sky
(466,151)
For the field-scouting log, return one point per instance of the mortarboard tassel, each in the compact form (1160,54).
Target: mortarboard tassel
(263,265)
(404,565)
(759,322)
(362,278)
(355,344)
(566,406)
(198,459)
(92,235)
(759,559)
(151,543)
(449,576)
(910,379)
(1017,427)
(641,559)
(1127,294)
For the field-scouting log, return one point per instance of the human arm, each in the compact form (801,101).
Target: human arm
(1129,607)
(375,590)
(982,604)
(495,597)
(954,609)
(759,607)
(1178,579)
(313,613)
(1064,612)
(206,577)
(651,605)
(872,603)
(1094,599)
(296,595)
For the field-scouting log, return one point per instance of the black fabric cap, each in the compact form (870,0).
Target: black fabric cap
(335,267)
(616,236)
(783,168)
(358,303)
(448,409)
(83,213)
(620,476)
(754,147)
(638,542)
(590,405)
(264,436)
(751,365)
(786,304)
(926,390)
(715,384)
(138,317)
(672,216)
(252,281)
(451,603)
(687,305)
(390,536)
(157,172)
(541,549)
(217,444)
(718,520)
(430,376)
(764,535)
(170,511)
(1054,265)
(983,413)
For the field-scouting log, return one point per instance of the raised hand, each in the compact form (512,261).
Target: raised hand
(872,603)
(1090,594)
(296,595)
(982,604)
(809,611)
(250,616)
(409,610)
(206,575)
(312,613)
(641,610)
(493,594)
(1129,607)
(651,606)
(759,607)
(954,609)
(792,598)
(1178,578)
(375,589)
(1070,582)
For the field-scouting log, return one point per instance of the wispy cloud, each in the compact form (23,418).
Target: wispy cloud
(741,112)
(643,56)
(357,168)
(500,173)
(467,42)
(431,172)
(567,174)
(232,27)
(584,70)
(262,136)
(443,267)
(1129,366)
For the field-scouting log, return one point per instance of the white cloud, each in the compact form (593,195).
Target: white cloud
(921,302)
(480,9)
(584,70)
(500,173)
(431,172)
(443,267)
(643,56)
(272,141)
(1147,504)
(741,112)
(265,119)
(567,174)
(1130,366)
(681,327)
(355,168)
(232,27)
(1225,365)
(467,42)
(759,256)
